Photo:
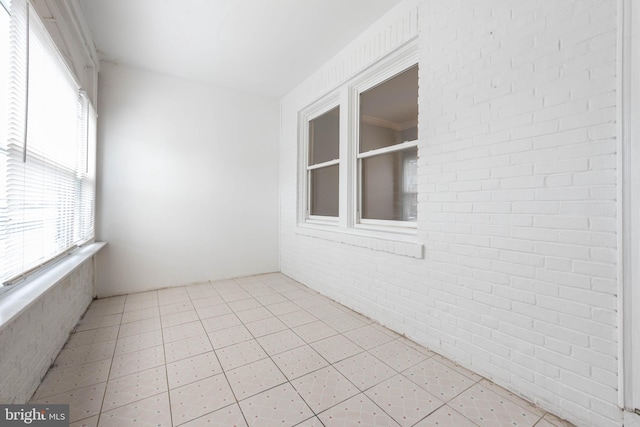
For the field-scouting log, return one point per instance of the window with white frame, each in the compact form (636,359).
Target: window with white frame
(323,165)
(361,172)
(47,151)
(388,150)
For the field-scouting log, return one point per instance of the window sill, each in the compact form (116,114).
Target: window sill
(397,244)
(16,300)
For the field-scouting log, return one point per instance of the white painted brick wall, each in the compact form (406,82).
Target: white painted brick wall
(30,343)
(517,198)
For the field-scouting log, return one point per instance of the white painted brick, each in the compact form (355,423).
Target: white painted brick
(571,165)
(40,332)
(568,279)
(563,222)
(517,199)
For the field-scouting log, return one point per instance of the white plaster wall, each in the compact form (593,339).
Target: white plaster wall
(187,182)
(517,198)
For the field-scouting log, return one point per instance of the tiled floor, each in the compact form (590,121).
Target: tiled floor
(262,351)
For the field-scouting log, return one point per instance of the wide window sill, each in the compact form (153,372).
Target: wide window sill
(16,300)
(397,244)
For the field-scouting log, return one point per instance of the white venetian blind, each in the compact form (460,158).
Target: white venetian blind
(49,183)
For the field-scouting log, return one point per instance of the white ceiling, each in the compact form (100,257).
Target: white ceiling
(261,46)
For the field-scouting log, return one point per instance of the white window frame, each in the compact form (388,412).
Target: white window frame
(312,112)
(402,61)
(347,98)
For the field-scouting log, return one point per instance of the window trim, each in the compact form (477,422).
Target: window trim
(313,111)
(396,63)
(346,96)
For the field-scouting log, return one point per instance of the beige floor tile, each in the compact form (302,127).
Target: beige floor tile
(133,387)
(281,308)
(229,336)
(244,304)
(311,301)
(404,400)
(398,355)
(265,326)
(512,397)
(193,369)
(92,336)
(368,336)
(467,373)
(208,301)
(83,402)
(84,354)
(150,412)
(139,296)
(254,378)
(98,322)
(240,354)
(295,294)
(217,323)
(550,420)
(235,296)
(297,318)
(182,331)
(484,407)
(280,342)
(253,314)
(270,298)
(140,304)
(138,342)
(136,361)
(61,380)
(324,388)
(200,290)
(213,310)
(311,422)
(299,361)
(358,411)
(176,307)
(139,327)
(336,348)
(314,331)
(344,322)
(229,416)
(147,313)
(446,417)
(279,406)
(199,398)
(178,318)
(87,422)
(364,370)
(175,299)
(273,337)
(439,379)
(188,347)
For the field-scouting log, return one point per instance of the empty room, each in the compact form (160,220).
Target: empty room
(320,213)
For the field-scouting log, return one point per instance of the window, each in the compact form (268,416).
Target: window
(47,152)
(323,171)
(387,149)
(359,150)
